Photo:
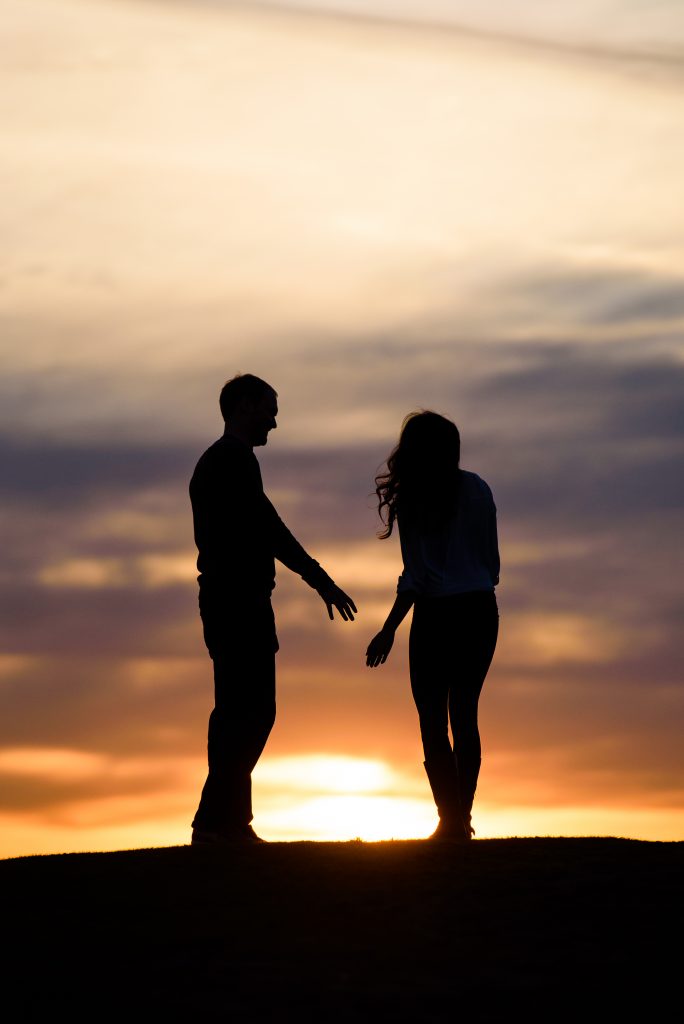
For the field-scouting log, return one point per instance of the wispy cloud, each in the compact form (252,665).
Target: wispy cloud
(610,25)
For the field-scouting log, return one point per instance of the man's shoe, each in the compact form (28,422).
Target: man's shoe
(225,837)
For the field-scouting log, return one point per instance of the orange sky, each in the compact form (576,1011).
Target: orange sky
(375,216)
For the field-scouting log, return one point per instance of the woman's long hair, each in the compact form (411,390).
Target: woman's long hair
(422,479)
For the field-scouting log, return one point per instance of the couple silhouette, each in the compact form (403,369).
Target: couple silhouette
(446,520)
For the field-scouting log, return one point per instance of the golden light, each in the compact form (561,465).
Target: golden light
(301,798)
(148,571)
(371,818)
(547,638)
(322,797)
(51,762)
(324,773)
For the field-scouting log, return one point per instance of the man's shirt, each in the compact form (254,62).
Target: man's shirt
(237,530)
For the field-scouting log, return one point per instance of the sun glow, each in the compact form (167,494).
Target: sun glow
(322,773)
(323,797)
(370,818)
(316,797)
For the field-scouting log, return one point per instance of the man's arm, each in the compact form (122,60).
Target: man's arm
(287,549)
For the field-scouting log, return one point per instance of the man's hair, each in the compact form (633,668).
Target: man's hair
(243,385)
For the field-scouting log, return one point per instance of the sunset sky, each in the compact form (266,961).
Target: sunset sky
(377,206)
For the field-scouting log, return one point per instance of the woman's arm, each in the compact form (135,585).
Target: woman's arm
(381,644)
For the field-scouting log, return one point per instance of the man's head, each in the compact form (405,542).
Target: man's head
(249,407)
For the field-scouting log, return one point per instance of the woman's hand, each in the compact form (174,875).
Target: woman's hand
(379,648)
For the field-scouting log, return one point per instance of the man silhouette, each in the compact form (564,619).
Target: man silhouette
(238,535)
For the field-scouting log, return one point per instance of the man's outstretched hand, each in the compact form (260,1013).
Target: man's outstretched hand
(336,598)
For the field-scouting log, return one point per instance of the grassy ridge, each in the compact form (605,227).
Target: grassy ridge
(526,929)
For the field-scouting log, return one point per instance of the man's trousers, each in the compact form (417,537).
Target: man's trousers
(242,644)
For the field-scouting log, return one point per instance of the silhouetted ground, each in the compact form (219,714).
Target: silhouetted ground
(500,930)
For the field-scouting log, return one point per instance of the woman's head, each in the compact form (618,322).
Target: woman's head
(428,436)
(421,483)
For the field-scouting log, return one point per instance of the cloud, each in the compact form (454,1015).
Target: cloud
(589,25)
(628,300)
(108,621)
(70,473)
(42,778)
(94,705)
(581,443)
(602,296)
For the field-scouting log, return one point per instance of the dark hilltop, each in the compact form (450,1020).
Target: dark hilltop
(494,930)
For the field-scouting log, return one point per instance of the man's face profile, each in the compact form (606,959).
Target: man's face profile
(261,417)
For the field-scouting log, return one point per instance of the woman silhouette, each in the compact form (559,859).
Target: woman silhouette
(447,529)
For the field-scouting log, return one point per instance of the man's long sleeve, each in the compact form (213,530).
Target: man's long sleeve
(238,531)
(287,549)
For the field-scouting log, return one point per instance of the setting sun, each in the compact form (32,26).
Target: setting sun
(336,798)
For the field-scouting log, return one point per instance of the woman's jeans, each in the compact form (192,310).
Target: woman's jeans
(451,647)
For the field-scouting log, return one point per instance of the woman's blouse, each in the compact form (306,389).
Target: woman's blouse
(461,556)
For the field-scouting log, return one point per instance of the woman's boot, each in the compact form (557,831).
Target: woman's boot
(444,782)
(468,773)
